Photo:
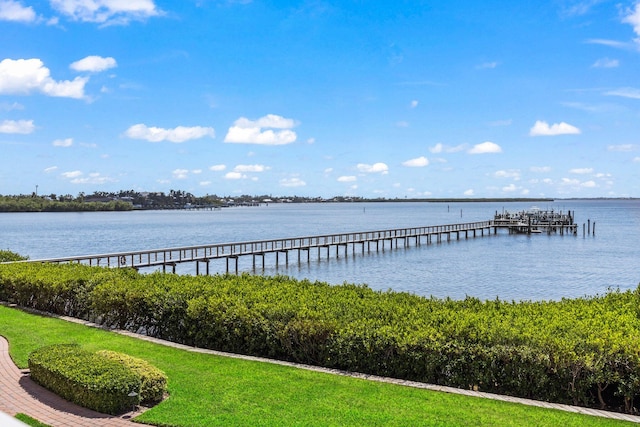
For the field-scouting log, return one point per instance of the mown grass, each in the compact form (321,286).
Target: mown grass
(30,421)
(210,390)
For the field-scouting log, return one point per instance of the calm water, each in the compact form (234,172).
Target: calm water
(517,267)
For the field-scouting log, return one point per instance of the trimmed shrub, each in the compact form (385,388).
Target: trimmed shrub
(85,378)
(9,256)
(153,380)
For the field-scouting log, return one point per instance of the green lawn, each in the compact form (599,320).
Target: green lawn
(210,390)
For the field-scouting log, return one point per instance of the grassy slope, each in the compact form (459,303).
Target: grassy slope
(209,390)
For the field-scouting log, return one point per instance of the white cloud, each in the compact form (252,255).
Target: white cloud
(497,123)
(468,192)
(621,147)
(251,168)
(217,168)
(269,121)
(235,175)
(72,174)
(180,173)
(77,177)
(68,142)
(11,10)
(196,171)
(347,179)
(485,147)
(633,18)
(594,108)
(204,183)
(51,169)
(292,182)
(487,65)
(611,43)
(581,171)
(94,64)
(414,103)
(177,135)
(417,162)
(441,148)
(245,131)
(577,184)
(542,128)
(606,63)
(17,126)
(23,76)
(511,173)
(436,149)
(106,12)
(540,169)
(5,106)
(625,92)
(375,168)
(509,188)
(636,159)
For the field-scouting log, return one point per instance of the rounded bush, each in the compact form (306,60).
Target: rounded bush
(85,378)
(153,380)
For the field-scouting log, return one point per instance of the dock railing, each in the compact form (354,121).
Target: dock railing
(258,248)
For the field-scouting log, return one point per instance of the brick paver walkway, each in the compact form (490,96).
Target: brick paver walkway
(19,394)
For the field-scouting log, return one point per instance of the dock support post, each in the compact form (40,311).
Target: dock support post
(286,256)
(236,259)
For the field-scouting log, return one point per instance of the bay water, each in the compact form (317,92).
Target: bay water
(509,267)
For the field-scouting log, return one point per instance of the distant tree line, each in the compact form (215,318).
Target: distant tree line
(126,200)
(42,204)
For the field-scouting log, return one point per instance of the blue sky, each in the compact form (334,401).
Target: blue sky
(321,98)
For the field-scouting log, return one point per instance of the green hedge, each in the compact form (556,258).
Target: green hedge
(85,378)
(153,381)
(579,351)
(8,256)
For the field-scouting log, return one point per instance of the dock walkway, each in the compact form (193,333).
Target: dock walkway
(528,222)
(202,255)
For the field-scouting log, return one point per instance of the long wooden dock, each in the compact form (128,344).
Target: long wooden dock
(367,241)
(202,255)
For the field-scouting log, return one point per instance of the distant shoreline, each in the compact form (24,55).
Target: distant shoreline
(127,207)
